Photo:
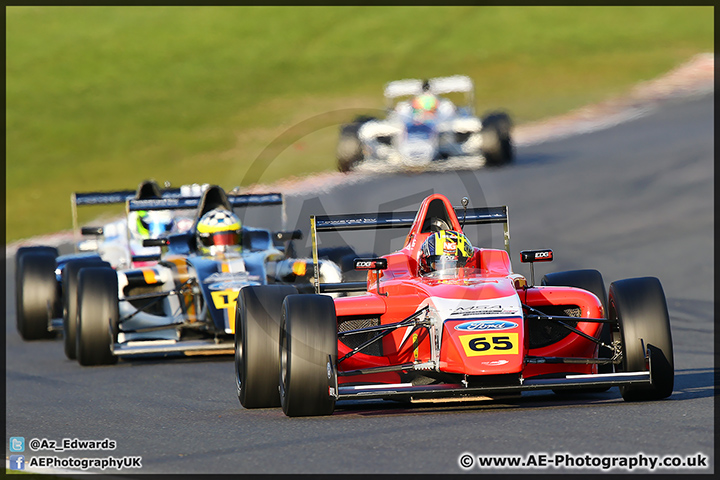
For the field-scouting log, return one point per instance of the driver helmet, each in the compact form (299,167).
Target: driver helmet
(154,223)
(424,107)
(217,231)
(444,250)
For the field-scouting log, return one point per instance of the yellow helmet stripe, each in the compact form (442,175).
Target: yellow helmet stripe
(440,242)
(218,228)
(463,244)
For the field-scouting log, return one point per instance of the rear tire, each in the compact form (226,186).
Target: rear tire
(640,308)
(592,281)
(98,315)
(308,355)
(497,146)
(70,301)
(588,279)
(257,330)
(36,289)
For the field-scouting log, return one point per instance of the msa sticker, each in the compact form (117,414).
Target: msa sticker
(234,285)
(490,344)
(485,325)
(495,363)
(227,277)
(475,310)
(226,300)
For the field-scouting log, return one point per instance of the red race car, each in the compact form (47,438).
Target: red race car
(441,318)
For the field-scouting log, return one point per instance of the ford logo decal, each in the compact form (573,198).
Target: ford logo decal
(484,325)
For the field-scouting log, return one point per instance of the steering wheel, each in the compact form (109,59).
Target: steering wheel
(437,224)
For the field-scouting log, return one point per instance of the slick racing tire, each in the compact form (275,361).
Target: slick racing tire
(592,281)
(98,315)
(257,330)
(497,146)
(70,300)
(36,249)
(308,355)
(37,297)
(639,307)
(349,149)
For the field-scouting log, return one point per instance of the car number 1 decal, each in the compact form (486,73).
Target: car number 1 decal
(226,300)
(490,344)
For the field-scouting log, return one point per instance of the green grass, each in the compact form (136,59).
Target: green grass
(104,97)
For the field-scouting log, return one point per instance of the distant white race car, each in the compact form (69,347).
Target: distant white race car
(423,128)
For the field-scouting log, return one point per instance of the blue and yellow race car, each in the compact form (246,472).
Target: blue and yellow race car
(185,303)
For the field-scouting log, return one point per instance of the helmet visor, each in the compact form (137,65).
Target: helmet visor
(159,228)
(446,262)
(226,238)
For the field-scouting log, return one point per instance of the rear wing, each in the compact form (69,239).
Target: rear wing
(186,203)
(79,199)
(437,86)
(192,202)
(383,220)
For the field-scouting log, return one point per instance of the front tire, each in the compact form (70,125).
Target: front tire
(308,355)
(257,330)
(640,308)
(36,291)
(98,315)
(70,301)
(349,149)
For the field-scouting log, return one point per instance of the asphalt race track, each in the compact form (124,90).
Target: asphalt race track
(632,200)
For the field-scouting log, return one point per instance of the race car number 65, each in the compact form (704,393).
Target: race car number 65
(490,344)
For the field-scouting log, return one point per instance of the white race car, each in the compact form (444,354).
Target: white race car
(46,282)
(422,129)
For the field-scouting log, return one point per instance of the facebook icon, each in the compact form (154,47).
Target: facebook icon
(17,462)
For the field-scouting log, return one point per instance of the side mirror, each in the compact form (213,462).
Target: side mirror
(156,242)
(145,258)
(370,264)
(284,236)
(86,231)
(532,256)
(376,264)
